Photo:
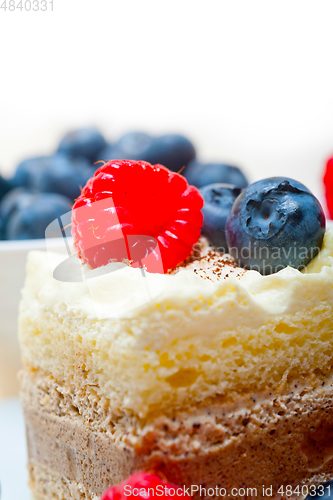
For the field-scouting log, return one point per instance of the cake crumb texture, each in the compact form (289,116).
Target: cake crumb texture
(78,446)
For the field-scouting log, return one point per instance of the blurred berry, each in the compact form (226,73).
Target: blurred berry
(4,186)
(63,175)
(86,142)
(111,152)
(16,199)
(202,174)
(218,201)
(328,182)
(145,486)
(131,146)
(174,151)
(26,171)
(105,155)
(31,221)
(2,229)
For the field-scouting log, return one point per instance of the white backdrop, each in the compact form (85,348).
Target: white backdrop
(250,81)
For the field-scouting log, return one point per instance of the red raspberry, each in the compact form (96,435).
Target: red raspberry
(328,181)
(126,198)
(140,486)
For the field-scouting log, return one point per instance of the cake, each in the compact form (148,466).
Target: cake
(223,378)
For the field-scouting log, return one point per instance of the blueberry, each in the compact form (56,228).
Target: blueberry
(54,174)
(323,491)
(63,175)
(31,221)
(201,174)
(171,150)
(16,199)
(174,151)
(26,171)
(131,146)
(2,229)
(218,200)
(275,223)
(106,154)
(4,186)
(85,142)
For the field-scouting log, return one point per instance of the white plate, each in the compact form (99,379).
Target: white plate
(13,255)
(13,472)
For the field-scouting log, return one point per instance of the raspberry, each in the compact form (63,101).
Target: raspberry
(127,198)
(141,486)
(328,182)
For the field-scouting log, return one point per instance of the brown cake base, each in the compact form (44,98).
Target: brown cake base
(79,444)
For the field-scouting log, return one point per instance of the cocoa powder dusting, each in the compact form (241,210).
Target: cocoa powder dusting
(207,262)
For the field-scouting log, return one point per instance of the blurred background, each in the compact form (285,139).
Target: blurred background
(248,82)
